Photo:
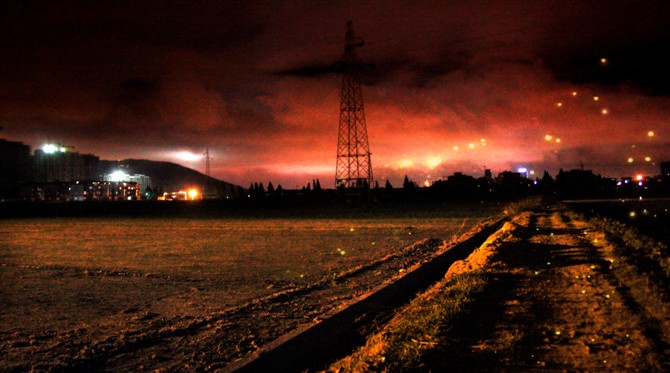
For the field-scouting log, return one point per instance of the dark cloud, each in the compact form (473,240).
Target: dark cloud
(258,82)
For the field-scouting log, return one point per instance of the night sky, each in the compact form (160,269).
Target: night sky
(449,85)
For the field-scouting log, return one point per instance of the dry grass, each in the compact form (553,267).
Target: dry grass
(402,343)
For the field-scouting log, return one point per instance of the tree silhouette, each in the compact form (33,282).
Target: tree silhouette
(407,183)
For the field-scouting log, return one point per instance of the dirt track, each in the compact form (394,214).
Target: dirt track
(558,299)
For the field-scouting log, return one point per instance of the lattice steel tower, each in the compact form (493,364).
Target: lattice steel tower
(353,169)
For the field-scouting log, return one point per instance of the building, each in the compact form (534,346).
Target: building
(142,182)
(665,171)
(15,167)
(57,163)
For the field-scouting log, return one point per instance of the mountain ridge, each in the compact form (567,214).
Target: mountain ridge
(169,176)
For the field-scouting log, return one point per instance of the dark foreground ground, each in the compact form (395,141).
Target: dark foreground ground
(557,295)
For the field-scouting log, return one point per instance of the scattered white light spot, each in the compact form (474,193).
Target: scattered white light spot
(650,133)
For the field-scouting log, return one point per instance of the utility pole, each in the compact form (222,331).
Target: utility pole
(207,159)
(353,168)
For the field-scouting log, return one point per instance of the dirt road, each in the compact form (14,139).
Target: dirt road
(559,298)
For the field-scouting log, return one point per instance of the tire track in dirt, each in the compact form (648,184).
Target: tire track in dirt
(556,300)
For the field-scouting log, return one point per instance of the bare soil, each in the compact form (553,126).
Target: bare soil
(558,298)
(78,303)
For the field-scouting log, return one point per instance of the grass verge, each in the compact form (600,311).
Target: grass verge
(409,335)
(415,330)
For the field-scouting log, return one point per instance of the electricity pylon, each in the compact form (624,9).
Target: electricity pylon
(353,168)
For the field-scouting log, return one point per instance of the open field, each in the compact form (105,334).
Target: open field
(649,216)
(123,293)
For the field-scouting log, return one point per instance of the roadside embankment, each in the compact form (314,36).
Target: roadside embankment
(546,291)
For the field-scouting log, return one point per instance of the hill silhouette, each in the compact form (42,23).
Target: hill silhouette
(168,176)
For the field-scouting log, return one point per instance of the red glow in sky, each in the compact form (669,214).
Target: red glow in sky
(451,86)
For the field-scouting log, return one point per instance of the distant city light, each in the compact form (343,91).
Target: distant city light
(49,148)
(471,145)
(650,133)
(639,177)
(603,60)
(192,194)
(596,98)
(647,159)
(604,111)
(630,159)
(522,170)
(574,93)
(548,137)
(558,140)
(118,176)
(559,104)
(456,147)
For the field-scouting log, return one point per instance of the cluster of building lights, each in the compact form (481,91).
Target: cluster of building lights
(53,148)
